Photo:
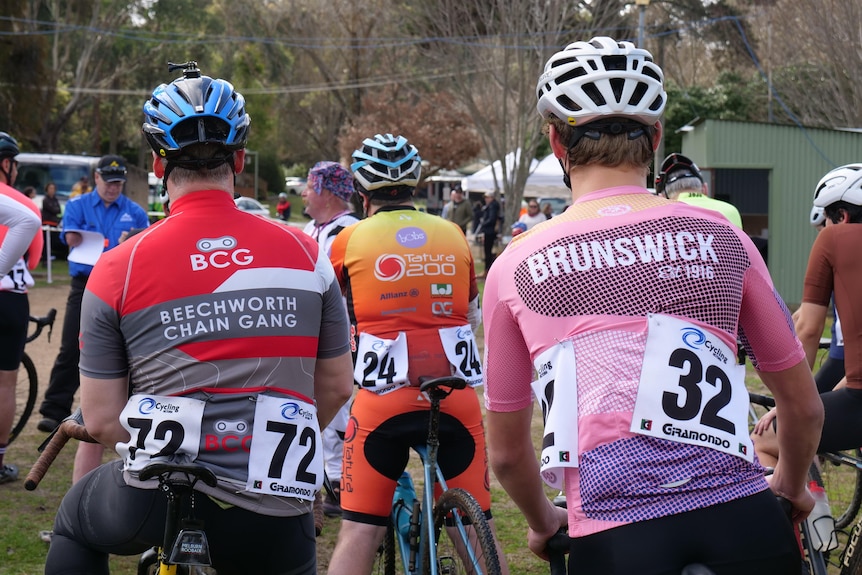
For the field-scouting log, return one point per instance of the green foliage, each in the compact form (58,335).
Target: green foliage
(732,97)
(269,170)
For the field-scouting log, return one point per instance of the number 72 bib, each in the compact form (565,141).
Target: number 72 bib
(691,390)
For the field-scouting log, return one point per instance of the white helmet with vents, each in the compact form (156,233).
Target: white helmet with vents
(841,184)
(601,78)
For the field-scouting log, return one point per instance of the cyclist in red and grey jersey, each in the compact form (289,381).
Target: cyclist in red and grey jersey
(223,326)
(20,250)
(627,309)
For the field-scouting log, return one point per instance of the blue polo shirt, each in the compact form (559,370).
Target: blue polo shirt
(89,213)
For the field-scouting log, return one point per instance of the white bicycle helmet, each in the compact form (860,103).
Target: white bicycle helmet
(841,184)
(386,161)
(599,79)
(817,217)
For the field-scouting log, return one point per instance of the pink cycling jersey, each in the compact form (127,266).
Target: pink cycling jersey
(598,279)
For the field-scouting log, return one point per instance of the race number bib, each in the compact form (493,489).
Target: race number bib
(381,364)
(462,352)
(286,456)
(18,279)
(556,390)
(691,390)
(162,428)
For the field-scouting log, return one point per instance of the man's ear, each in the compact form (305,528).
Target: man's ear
(657,136)
(557,146)
(238,161)
(158,166)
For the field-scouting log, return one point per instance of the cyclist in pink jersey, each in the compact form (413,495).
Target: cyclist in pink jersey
(230,335)
(621,317)
(20,250)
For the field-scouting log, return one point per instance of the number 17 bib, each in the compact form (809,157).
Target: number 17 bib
(691,390)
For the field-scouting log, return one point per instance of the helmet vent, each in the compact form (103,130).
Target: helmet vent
(567,103)
(615,62)
(638,94)
(617,85)
(594,94)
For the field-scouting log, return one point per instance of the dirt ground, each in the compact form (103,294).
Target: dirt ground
(41,351)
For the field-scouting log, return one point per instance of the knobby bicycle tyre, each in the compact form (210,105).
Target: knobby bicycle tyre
(384,561)
(843,485)
(27,379)
(457,505)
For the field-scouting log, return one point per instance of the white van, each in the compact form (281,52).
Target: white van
(63,170)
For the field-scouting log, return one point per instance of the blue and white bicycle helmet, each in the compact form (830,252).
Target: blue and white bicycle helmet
(842,184)
(599,79)
(195,109)
(8,146)
(386,161)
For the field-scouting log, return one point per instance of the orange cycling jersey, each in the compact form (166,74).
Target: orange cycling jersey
(406,271)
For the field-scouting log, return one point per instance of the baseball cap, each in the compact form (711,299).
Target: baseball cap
(331,176)
(112,168)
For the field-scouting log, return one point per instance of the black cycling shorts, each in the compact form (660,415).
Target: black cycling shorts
(101,514)
(748,536)
(14,318)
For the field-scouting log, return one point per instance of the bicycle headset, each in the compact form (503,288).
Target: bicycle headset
(602,87)
(191,110)
(675,167)
(386,166)
(8,149)
(842,184)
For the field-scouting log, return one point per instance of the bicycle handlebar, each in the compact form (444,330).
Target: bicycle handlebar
(763,400)
(70,428)
(558,546)
(41,323)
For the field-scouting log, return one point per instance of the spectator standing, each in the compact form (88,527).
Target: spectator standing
(327,198)
(247,367)
(461,212)
(20,250)
(447,207)
(547,211)
(488,227)
(283,207)
(619,340)
(51,206)
(109,213)
(80,188)
(533,216)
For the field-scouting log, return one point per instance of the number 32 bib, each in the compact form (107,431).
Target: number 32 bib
(691,390)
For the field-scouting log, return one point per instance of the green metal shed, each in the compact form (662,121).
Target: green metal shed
(769,172)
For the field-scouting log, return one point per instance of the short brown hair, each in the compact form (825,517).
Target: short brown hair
(610,150)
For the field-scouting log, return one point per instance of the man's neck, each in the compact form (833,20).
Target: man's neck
(592,178)
(332,212)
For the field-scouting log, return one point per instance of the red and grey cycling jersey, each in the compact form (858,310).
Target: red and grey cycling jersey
(214,298)
(626,310)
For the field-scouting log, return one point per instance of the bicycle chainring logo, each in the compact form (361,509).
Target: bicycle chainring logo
(225,426)
(390,268)
(219,253)
(693,337)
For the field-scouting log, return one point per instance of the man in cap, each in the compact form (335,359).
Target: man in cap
(109,213)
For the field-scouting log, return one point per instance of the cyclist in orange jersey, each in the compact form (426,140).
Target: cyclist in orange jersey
(410,286)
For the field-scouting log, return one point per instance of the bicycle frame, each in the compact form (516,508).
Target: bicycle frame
(432,475)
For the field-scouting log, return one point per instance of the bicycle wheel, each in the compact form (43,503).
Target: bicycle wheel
(384,561)
(842,481)
(27,380)
(458,514)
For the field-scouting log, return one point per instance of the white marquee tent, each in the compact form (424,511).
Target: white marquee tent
(545,179)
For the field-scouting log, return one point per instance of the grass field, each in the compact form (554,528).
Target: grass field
(25,513)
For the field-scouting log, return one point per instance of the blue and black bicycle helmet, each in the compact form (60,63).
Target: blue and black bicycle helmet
(8,146)
(388,164)
(195,109)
